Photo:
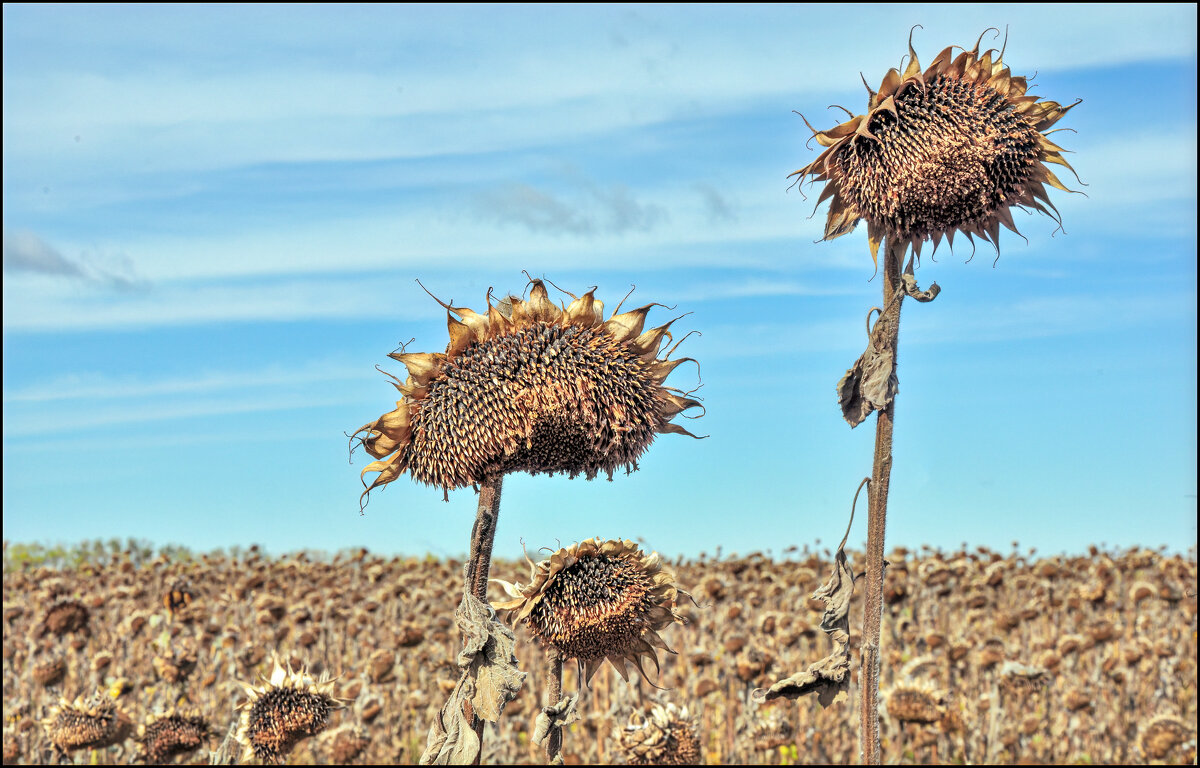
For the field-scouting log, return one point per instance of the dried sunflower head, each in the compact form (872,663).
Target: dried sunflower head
(49,668)
(347,743)
(528,386)
(166,736)
(1162,735)
(178,597)
(93,724)
(289,707)
(65,616)
(952,148)
(597,600)
(666,737)
(915,703)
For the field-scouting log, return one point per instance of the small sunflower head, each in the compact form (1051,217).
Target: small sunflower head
(949,149)
(528,386)
(915,703)
(178,597)
(49,668)
(166,736)
(289,707)
(175,666)
(346,744)
(598,600)
(91,724)
(1163,734)
(65,616)
(667,736)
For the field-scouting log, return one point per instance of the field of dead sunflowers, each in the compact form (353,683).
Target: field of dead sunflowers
(133,656)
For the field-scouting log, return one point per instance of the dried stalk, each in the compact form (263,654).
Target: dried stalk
(480,560)
(881,472)
(553,696)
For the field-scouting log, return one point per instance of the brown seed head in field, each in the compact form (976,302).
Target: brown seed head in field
(49,669)
(65,616)
(289,707)
(915,703)
(86,725)
(918,666)
(1023,678)
(1141,590)
(528,387)
(667,736)
(1162,735)
(771,732)
(166,736)
(952,148)
(381,665)
(991,654)
(346,744)
(598,600)
(12,748)
(1077,699)
(175,666)
(178,597)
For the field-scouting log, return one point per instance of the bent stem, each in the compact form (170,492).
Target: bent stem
(553,696)
(480,560)
(881,472)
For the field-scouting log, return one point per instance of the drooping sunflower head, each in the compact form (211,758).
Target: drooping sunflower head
(1163,734)
(65,616)
(667,736)
(916,702)
(91,724)
(528,386)
(597,600)
(289,707)
(949,149)
(168,735)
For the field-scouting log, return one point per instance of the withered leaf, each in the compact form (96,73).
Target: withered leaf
(913,291)
(558,716)
(488,656)
(870,384)
(828,678)
(490,679)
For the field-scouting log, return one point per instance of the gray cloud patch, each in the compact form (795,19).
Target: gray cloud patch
(715,204)
(589,209)
(25,252)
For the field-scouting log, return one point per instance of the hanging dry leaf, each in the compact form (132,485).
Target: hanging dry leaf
(829,678)
(490,679)
(913,291)
(558,716)
(871,383)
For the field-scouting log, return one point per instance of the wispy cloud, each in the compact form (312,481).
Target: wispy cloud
(25,252)
(716,205)
(94,388)
(587,209)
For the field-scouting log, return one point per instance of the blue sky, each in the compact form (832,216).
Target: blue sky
(214,218)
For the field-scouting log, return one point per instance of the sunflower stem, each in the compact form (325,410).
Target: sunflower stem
(554,695)
(881,473)
(480,561)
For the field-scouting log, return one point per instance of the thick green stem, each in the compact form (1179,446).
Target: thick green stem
(881,473)
(480,560)
(553,696)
